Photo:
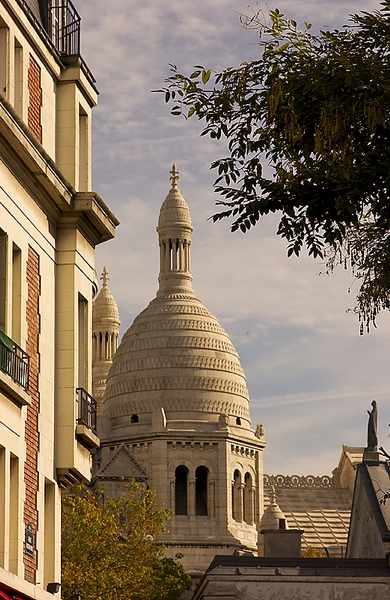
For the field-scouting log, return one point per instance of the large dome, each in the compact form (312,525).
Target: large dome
(175,365)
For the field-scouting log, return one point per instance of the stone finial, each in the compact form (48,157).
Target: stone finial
(259,430)
(104,277)
(272,495)
(174,176)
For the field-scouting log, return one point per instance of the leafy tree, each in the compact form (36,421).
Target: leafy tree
(312,552)
(108,548)
(308,136)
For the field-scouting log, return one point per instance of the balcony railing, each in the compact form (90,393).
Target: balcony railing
(60,22)
(87,409)
(13,360)
(64,27)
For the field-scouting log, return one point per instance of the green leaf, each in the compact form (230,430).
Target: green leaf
(205,76)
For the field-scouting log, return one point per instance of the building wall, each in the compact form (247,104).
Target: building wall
(50,223)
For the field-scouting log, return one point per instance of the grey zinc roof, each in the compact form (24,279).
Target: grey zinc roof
(316,506)
(33,7)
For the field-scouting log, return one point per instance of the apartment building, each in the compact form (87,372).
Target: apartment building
(50,223)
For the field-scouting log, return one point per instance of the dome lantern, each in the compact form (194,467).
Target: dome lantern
(174,232)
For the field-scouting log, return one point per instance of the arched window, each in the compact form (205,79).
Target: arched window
(181,478)
(237,496)
(248,500)
(201,480)
(134,419)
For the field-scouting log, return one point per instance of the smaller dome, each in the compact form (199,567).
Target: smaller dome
(174,210)
(273,515)
(105,306)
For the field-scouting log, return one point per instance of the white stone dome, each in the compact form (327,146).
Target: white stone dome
(175,365)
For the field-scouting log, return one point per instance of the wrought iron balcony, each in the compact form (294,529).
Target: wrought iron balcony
(87,409)
(14,361)
(57,20)
(64,27)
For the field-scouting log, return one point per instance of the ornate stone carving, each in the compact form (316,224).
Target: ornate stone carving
(180,445)
(324,481)
(162,308)
(182,324)
(243,451)
(179,362)
(179,404)
(178,383)
(156,343)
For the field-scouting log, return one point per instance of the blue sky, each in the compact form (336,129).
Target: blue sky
(311,377)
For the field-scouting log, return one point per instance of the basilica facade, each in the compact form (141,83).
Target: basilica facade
(175,409)
(173,413)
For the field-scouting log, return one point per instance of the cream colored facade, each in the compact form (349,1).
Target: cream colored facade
(175,413)
(50,223)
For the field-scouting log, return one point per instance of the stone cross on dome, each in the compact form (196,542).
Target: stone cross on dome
(174,176)
(104,277)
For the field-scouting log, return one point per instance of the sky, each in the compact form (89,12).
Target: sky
(310,375)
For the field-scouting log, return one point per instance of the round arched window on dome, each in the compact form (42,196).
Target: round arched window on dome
(201,482)
(181,481)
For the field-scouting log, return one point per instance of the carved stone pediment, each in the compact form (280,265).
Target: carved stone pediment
(121,463)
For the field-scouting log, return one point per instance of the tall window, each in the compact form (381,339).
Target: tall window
(13,514)
(4,35)
(18,78)
(201,481)
(3,269)
(16,293)
(248,500)
(49,538)
(237,496)
(181,479)
(83,337)
(83,150)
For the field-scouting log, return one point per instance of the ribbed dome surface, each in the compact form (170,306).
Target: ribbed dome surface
(105,305)
(175,360)
(176,356)
(174,210)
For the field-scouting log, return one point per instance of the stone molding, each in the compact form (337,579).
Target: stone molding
(299,481)
(187,309)
(243,451)
(182,324)
(182,445)
(146,384)
(131,345)
(177,361)
(172,296)
(179,404)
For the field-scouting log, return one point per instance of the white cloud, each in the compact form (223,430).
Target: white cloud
(310,375)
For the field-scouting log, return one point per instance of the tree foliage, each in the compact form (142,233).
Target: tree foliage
(308,130)
(109,550)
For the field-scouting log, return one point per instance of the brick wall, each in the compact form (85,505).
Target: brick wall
(31,428)
(34,99)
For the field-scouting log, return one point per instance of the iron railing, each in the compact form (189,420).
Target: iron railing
(87,409)
(64,27)
(59,23)
(14,361)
